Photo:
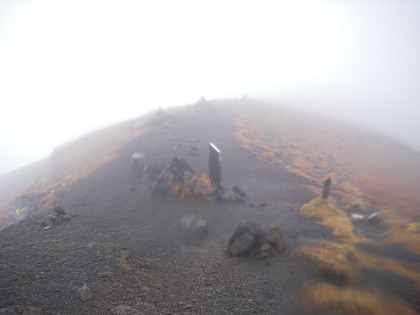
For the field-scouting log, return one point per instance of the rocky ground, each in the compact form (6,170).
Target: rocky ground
(125,251)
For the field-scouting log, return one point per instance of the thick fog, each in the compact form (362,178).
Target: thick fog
(68,67)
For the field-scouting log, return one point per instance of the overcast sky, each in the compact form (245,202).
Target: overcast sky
(67,67)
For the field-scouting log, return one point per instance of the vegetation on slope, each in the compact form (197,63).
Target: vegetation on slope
(365,169)
(76,161)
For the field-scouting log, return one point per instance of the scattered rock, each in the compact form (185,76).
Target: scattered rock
(375,218)
(252,239)
(242,244)
(48,221)
(238,191)
(126,255)
(192,223)
(60,211)
(84,293)
(52,219)
(233,195)
(65,218)
(189,308)
(265,250)
(356,217)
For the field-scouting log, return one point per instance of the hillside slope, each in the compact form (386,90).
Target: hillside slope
(125,243)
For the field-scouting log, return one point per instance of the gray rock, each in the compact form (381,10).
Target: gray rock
(356,217)
(253,239)
(233,196)
(255,229)
(84,293)
(66,218)
(60,211)
(238,191)
(375,218)
(192,223)
(48,220)
(242,244)
(240,229)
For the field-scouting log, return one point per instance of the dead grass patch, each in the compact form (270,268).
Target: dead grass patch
(333,218)
(333,260)
(81,158)
(194,187)
(315,148)
(329,299)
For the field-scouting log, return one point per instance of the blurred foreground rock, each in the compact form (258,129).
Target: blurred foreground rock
(252,239)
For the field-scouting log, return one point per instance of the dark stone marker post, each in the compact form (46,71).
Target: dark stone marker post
(215,172)
(327,187)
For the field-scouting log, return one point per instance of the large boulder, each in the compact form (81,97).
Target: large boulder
(243,244)
(252,239)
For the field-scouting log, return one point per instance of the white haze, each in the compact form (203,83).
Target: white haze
(68,67)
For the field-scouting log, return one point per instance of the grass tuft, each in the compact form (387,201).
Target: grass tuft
(332,260)
(329,299)
(333,218)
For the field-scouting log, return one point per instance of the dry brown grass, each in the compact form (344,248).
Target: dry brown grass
(365,168)
(333,218)
(316,149)
(194,187)
(79,159)
(333,260)
(329,299)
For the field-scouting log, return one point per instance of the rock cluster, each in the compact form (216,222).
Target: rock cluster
(55,218)
(178,178)
(252,239)
(375,217)
(233,195)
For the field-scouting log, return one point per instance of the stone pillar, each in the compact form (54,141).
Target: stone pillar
(215,172)
(327,187)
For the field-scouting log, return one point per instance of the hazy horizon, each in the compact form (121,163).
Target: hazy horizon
(67,68)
